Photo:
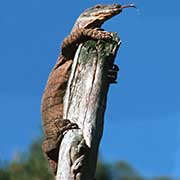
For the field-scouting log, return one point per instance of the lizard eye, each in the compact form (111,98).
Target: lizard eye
(98,6)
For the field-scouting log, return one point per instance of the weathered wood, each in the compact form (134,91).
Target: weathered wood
(84,104)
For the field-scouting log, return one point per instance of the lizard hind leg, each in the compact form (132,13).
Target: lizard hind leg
(51,146)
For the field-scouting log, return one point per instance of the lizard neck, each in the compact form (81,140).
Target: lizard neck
(86,24)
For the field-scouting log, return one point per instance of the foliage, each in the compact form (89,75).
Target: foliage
(4,174)
(30,166)
(33,166)
(103,171)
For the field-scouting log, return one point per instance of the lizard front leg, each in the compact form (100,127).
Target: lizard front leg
(71,42)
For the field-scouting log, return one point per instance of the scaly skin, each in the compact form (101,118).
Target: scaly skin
(86,27)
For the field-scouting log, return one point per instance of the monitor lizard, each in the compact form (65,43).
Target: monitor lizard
(87,26)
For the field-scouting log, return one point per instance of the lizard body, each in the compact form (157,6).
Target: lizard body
(86,27)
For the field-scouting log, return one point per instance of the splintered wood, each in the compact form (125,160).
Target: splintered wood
(85,104)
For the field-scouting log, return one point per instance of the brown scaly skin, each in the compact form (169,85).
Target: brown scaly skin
(86,27)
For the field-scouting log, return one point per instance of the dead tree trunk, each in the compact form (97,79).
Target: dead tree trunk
(84,104)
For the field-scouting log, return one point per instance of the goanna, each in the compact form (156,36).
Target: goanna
(86,27)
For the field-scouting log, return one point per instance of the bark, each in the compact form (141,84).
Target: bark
(85,104)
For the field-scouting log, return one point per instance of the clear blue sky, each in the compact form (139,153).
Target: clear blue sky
(142,123)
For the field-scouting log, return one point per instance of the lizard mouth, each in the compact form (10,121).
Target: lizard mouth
(117,8)
(109,12)
(113,10)
(128,6)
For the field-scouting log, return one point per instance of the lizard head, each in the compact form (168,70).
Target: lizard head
(97,15)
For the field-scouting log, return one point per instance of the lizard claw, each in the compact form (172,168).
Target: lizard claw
(65,124)
(112,74)
(99,29)
(105,35)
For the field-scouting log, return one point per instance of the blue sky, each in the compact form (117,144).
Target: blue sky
(142,123)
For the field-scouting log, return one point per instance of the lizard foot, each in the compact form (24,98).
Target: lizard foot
(97,34)
(112,74)
(104,35)
(100,34)
(65,124)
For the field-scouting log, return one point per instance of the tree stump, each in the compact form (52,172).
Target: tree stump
(85,104)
